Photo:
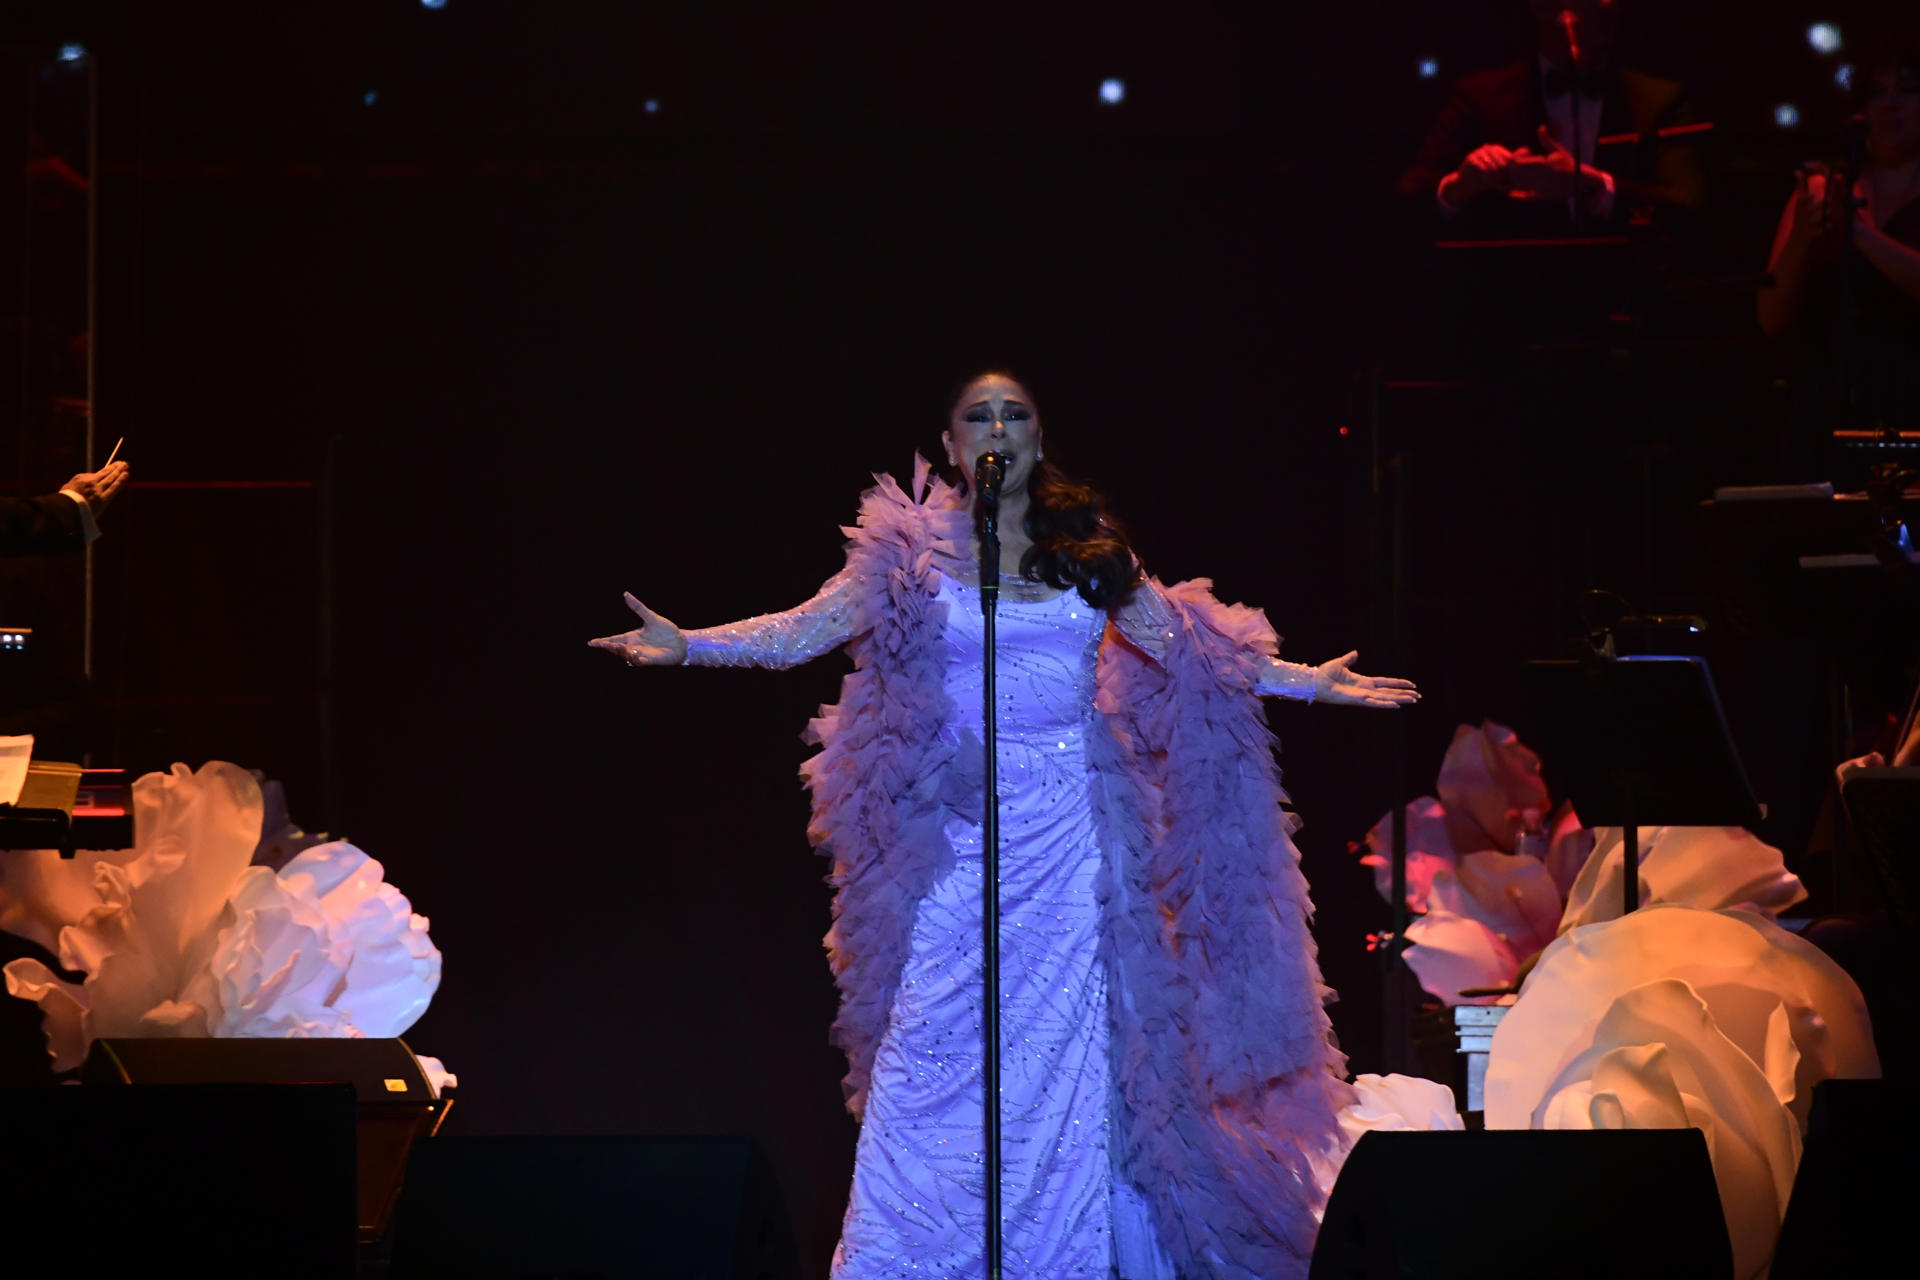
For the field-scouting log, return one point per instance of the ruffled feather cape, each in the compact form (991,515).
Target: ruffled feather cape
(1226,1076)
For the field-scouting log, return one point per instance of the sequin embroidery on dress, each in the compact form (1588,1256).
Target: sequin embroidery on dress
(917,1205)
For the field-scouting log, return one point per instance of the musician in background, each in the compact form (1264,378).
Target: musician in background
(64,521)
(42,691)
(1504,158)
(1845,274)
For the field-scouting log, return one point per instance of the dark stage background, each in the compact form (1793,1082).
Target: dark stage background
(527,343)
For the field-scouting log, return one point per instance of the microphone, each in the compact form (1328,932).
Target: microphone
(988,474)
(989,470)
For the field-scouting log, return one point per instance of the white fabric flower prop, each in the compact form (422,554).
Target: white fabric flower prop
(1429,851)
(1453,953)
(1741,964)
(1658,1061)
(184,938)
(1706,867)
(1395,1103)
(1484,917)
(1677,1016)
(1487,776)
(42,893)
(1569,845)
(439,1079)
(326,947)
(1392,1103)
(1512,894)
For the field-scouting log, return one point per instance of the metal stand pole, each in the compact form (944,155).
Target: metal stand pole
(990,906)
(93,339)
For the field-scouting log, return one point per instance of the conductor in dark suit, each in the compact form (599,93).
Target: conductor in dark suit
(1515,151)
(64,521)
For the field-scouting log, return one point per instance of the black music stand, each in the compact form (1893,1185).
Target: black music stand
(1641,741)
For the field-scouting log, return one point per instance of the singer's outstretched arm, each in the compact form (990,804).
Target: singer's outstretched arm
(1146,621)
(776,640)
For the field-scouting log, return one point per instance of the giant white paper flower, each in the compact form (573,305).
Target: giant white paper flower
(1741,964)
(1512,894)
(1484,917)
(1429,851)
(184,938)
(1453,953)
(1569,844)
(1658,1061)
(1394,1103)
(1705,867)
(326,947)
(1764,1017)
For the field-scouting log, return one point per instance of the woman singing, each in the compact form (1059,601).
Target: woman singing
(1168,1084)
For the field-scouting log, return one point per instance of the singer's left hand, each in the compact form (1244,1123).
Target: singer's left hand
(1337,681)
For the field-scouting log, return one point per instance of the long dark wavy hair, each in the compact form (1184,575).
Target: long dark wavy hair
(1075,542)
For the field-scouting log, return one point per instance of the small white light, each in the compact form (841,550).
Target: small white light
(651,106)
(1429,68)
(1824,37)
(72,52)
(1113,92)
(1843,76)
(1786,115)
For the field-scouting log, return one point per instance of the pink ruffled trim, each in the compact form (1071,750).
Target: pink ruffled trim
(877,811)
(1228,1075)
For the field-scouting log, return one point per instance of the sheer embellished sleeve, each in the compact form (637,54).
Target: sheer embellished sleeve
(1280,679)
(1148,619)
(781,640)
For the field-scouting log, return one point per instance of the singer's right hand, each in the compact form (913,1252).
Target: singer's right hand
(656,642)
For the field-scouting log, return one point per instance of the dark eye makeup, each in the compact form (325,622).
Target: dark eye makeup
(1015,413)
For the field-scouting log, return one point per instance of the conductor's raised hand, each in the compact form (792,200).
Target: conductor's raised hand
(656,642)
(98,488)
(1337,681)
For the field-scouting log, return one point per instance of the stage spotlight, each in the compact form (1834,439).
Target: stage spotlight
(72,53)
(651,106)
(1429,68)
(1843,76)
(433,4)
(1113,92)
(1786,115)
(370,97)
(1824,37)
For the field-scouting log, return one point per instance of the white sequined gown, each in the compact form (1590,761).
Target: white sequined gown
(917,1206)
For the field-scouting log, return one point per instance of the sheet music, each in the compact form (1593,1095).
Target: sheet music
(15,753)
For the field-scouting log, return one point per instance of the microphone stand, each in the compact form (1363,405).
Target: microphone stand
(987,476)
(1575,214)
